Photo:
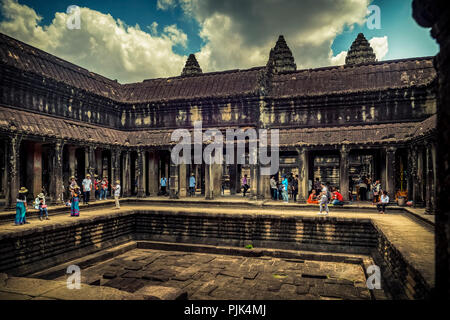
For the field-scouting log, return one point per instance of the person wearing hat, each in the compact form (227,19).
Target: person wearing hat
(41,206)
(116,189)
(75,203)
(21,207)
(192,185)
(87,185)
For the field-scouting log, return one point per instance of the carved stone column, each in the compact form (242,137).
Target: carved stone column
(153,176)
(90,168)
(140,173)
(57,183)
(303,175)
(126,174)
(13,170)
(429,180)
(390,172)
(344,173)
(115,165)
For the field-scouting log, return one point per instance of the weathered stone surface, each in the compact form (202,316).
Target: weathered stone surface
(162,293)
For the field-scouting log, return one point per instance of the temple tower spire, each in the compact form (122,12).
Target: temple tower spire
(281,58)
(360,52)
(191,67)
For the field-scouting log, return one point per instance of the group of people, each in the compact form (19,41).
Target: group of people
(279,190)
(75,196)
(100,188)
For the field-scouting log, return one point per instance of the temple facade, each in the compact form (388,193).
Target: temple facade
(367,118)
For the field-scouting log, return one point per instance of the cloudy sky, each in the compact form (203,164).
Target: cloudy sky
(135,40)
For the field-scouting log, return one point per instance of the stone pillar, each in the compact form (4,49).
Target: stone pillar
(303,175)
(217,171)
(57,183)
(140,173)
(234,179)
(390,172)
(115,166)
(429,209)
(434,14)
(264,186)
(209,182)
(34,168)
(71,150)
(344,173)
(90,168)
(182,180)
(126,174)
(153,175)
(173,181)
(13,170)
(414,178)
(98,164)
(410,170)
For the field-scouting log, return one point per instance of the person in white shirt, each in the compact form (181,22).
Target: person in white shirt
(87,184)
(384,201)
(116,189)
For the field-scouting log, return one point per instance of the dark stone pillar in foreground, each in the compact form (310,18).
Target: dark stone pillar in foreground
(434,14)
(303,175)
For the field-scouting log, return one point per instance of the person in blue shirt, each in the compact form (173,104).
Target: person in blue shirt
(163,183)
(192,185)
(285,184)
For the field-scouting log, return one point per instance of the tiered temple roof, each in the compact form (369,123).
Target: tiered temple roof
(360,52)
(192,67)
(289,83)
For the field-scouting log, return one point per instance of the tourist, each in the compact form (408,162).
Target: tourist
(41,206)
(376,187)
(312,199)
(245,185)
(97,187)
(384,201)
(116,189)
(362,189)
(192,185)
(163,183)
(87,184)
(273,188)
(295,188)
(324,200)
(104,188)
(285,184)
(75,202)
(21,207)
(338,199)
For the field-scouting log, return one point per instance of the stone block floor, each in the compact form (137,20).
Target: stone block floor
(212,276)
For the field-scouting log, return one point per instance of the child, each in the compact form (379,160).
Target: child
(324,201)
(40,204)
(21,207)
(116,189)
(75,206)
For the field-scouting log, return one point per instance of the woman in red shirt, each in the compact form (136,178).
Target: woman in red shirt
(338,199)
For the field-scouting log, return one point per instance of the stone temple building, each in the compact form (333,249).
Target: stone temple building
(366,118)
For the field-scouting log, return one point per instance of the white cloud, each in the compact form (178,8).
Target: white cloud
(379,46)
(165,4)
(103,44)
(339,59)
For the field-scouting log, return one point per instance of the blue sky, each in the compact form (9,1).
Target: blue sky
(223,34)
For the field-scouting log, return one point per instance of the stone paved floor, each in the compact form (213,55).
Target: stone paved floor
(212,276)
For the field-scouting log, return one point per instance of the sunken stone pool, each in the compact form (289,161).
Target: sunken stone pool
(174,254)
